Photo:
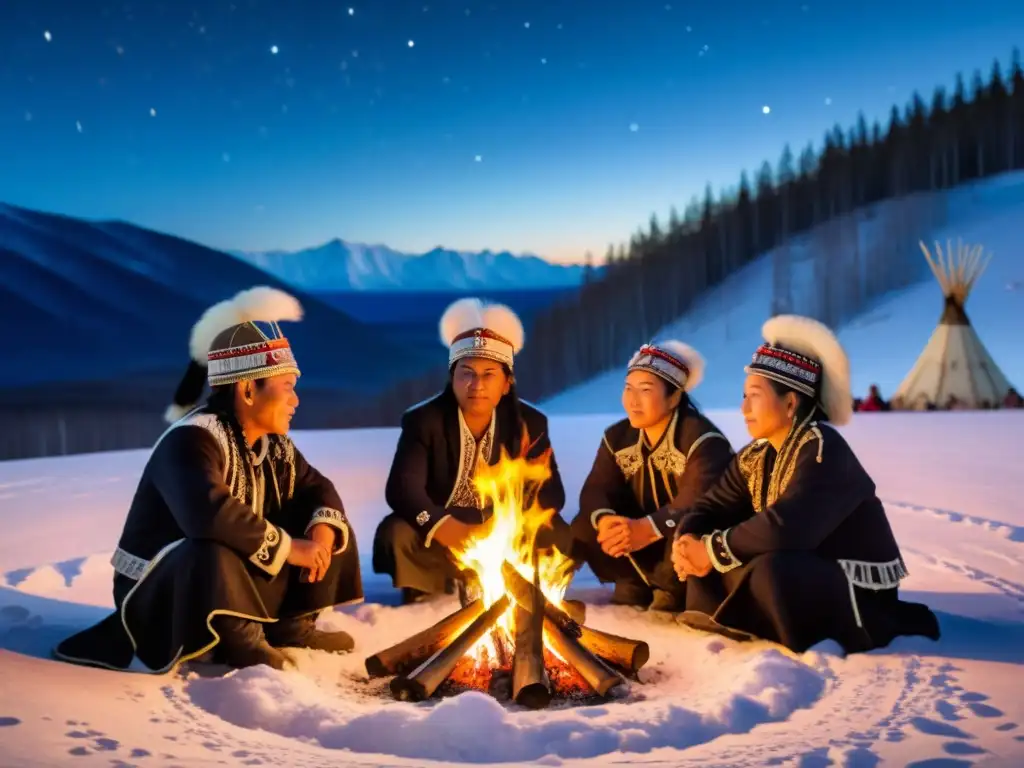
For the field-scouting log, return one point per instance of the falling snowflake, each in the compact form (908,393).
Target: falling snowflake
(526,24)
(689,28)
(78,125)
(634,127)
(351,11)
(120,50)
(152,111)
(274,49)
(226,157)
(47,36)
(828,101)
(543,61)
(766,109)
(412,43)
(478,158)
(28,117)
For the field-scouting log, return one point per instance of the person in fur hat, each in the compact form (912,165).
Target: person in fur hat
(650,466)
(792,544)
(434,505)
(233,542)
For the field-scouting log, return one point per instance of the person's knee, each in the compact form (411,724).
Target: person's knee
(205,552)
(402,537)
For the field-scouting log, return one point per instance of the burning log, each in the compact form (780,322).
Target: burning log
(623,652)
(406,655)
(531,686)
(421,683)
(592,669)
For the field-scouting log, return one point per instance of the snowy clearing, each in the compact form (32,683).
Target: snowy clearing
(948,482)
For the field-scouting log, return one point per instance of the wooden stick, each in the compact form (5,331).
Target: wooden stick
(623,652)
(531,686)
(421,683)
(403,656)
(598,676)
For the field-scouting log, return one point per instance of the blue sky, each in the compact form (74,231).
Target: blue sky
(551,127)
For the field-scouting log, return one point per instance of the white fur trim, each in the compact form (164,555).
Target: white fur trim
(813,339)
(261,303)
(469,314)
(175,412)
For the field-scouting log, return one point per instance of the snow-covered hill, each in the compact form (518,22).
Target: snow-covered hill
(883,342)
(339,266)
(700,701)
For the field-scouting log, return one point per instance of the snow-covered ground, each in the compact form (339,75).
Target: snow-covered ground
(948,483)
(885,341)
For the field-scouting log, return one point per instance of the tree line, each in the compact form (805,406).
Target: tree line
(976,131)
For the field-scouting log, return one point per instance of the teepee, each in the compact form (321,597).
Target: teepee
(954,362)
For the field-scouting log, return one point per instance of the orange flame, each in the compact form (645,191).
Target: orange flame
(511,486)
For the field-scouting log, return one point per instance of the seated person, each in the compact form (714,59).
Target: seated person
(233,542)
(791,544)
(430,491)
(649,467)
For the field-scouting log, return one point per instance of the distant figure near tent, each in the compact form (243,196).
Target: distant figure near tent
(954,366)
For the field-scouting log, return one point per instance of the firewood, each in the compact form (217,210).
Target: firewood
(421,682)
(623,652)
(531,686)
(598,675)
(407,654)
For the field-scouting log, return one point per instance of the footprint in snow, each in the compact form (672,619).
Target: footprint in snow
(9,721)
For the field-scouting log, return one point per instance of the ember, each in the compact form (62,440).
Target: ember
(520,639)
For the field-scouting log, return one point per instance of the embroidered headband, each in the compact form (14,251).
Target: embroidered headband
(269,354)
(470,328)
(673,361)
(794,370)
(481,342)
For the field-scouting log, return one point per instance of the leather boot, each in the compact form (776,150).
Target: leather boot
(243,644)
(632,593)
(301,632)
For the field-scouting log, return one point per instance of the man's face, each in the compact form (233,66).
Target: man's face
(479,385)
(270,403)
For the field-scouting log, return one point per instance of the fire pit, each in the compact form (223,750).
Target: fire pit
(520,630)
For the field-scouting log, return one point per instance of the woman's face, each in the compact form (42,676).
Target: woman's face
(646,400)
(766,413)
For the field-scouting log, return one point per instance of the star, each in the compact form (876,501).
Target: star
(478,158)
(828,101)
(78,125)
(47,36)
(351,11)
(526,24)
(634,127)
(274,49)
(543,61)
(226,157)
(152,111)
(412,43)
(766,109)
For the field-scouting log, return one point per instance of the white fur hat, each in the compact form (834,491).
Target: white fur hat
(470,328)
(227,346)
(677,363)
(806,356)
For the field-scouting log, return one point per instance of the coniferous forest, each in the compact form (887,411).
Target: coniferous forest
(973,132)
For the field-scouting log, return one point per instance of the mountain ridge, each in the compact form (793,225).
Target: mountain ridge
(340,266)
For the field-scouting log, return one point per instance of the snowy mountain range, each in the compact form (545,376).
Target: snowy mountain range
(338,266)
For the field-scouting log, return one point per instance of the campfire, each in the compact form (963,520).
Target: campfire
(519,634)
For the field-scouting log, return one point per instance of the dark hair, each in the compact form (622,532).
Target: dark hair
(686,401)
(222,403)
(509,413)
(805,405)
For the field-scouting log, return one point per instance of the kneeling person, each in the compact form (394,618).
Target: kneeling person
(233,542)
(649,468)
(444,441)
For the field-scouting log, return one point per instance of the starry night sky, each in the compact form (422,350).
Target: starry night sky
(547,126)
